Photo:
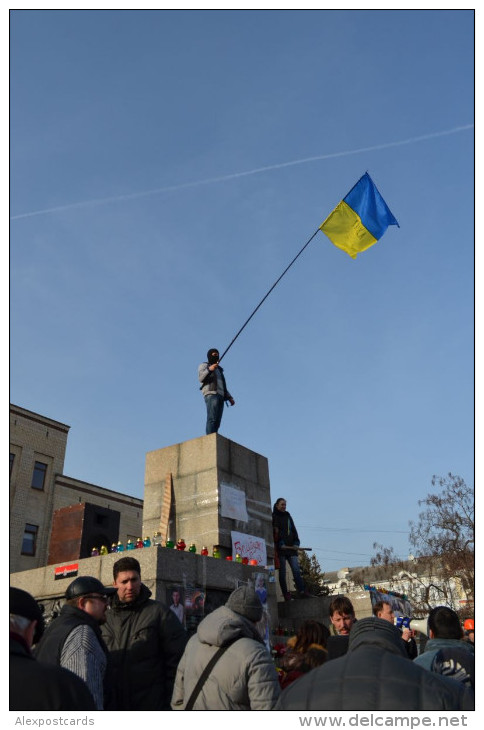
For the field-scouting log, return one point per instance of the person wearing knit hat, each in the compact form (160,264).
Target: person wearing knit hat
(35,686)
(244,676)
(246,602)
(214,390)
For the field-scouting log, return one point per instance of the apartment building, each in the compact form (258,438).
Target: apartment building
(39,488)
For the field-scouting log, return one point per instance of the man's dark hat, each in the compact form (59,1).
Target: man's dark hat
(86,584)
(23,604)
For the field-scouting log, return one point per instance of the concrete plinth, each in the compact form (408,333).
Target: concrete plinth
(198,469)
(294,613)
(161,570)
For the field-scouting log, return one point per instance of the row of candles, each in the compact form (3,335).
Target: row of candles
(180,544)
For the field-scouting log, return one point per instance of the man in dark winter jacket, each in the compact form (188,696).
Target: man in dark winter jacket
(286,541)
(375,674)
(35,686)
(214,390)
(73,640)
(145,641)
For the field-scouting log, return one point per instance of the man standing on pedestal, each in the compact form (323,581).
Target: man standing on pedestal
(214,389)
(286,541)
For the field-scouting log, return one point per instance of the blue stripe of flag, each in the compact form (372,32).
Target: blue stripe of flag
(367,202)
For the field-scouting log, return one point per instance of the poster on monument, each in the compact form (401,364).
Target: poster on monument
(249,546)
(175,600)
(232,503)
(263,626)
(194,607)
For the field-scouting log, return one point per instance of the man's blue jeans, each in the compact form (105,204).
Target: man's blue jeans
(215,409)
(296,572)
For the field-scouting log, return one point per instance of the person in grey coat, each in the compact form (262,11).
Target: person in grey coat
(375,674)
(244,678)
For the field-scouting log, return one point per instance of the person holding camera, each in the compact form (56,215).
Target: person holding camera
(214,390)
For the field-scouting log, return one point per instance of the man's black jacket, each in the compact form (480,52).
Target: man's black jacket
(145,641)
(38,687)
(375,674)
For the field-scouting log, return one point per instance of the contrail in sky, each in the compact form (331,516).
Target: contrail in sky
(234,175)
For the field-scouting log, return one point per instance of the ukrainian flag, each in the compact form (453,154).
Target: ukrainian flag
(360,220)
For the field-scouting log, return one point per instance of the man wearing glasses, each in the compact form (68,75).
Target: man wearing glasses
(73,640)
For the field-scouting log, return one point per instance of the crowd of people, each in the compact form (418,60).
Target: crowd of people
(368,666)
(115,648)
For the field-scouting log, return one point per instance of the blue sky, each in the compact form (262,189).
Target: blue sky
(152,208)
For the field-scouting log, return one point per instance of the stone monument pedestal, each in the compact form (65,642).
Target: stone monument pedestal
(186,485)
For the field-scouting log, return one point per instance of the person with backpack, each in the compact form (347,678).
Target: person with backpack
(226,665)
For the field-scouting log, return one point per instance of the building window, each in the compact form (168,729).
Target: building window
(12,459)
(29,541)
(38,476)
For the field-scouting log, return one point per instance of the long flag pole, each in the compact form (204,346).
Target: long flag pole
(272,287)
(356,223)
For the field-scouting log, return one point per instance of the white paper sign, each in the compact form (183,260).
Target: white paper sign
(249,546)
(232,503)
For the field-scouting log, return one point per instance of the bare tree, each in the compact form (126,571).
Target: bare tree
(443,539)
(441,569)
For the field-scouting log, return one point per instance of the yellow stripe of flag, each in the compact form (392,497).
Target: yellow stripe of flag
(344,228)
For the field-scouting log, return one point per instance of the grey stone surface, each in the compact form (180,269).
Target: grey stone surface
(294,613)
(198,468)
(161,568)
